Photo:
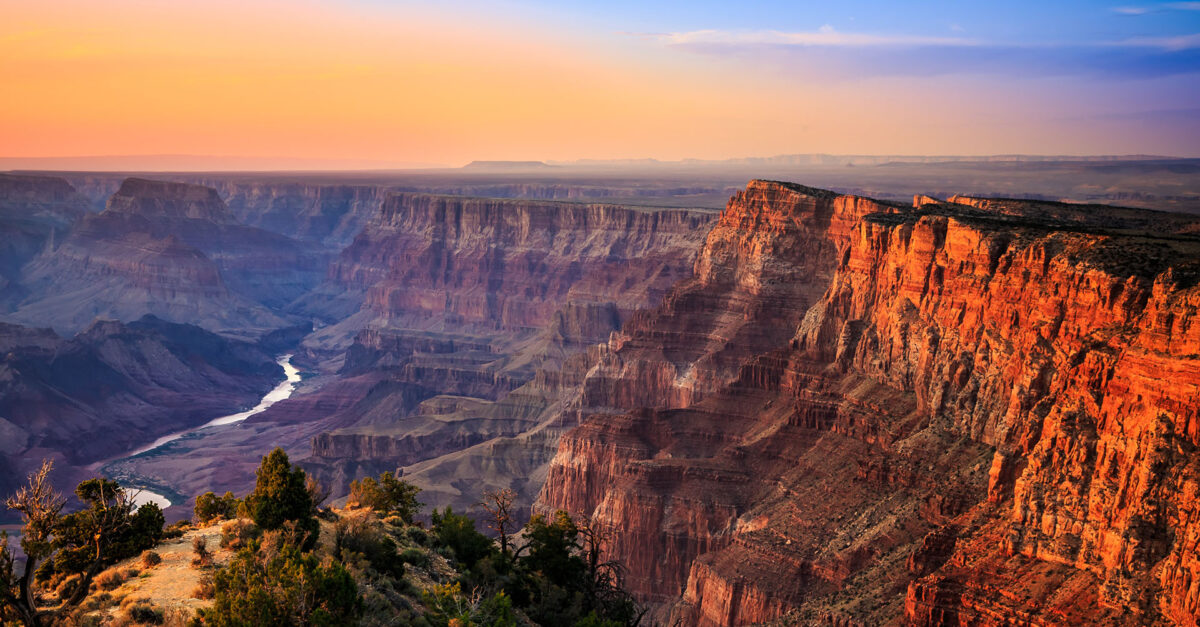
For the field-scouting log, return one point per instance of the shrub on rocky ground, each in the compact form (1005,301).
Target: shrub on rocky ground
(200,549)
(150,559)
(205,589)
(236,533)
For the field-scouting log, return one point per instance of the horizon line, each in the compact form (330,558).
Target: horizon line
(79,163)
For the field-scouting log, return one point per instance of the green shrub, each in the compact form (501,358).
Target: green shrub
(210,507)
(204,589)
(447,606)
(359,533)
(280,496)
(282,586)
(388,495)
(127,530)
(145,614)
(416,557)
(176,530)
(458,534)
(417,536)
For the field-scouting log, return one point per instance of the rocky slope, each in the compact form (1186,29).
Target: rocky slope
(976,412)
(115,386)
(173,250)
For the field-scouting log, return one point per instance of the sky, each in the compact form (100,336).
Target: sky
(391,83)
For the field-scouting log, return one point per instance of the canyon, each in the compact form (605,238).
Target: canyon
(114,385)
(969,412)
(809,407)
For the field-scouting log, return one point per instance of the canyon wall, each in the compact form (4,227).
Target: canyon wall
(333,209)
(473,308)
(34,210)
(173,250)
(960,413)
(451,262)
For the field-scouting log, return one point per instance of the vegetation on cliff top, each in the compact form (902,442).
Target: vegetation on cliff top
(285,561)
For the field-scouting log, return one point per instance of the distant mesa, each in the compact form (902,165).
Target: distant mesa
(507,165)
(164,199)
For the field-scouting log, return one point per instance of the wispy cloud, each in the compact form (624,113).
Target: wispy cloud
(1158,8)
(833,54)
(1176,42)
(825,36)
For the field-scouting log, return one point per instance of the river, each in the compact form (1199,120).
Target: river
(285,389)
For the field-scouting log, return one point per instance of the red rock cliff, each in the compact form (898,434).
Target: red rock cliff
(965,416)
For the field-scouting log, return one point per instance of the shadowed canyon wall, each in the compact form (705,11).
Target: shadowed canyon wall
(173,250)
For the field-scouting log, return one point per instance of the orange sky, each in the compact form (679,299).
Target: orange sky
(313,80)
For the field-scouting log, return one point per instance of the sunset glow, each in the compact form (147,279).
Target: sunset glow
(408,83)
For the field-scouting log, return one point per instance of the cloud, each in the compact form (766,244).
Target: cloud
(824,36)
(1174,43)
(1160,8)
(832,54)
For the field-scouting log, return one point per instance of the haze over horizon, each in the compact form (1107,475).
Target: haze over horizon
(217,163)
(373,83)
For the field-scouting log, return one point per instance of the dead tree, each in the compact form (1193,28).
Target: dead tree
(40,505)
(84,538)
(499,505)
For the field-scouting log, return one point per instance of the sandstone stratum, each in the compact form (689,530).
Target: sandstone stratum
(969,411)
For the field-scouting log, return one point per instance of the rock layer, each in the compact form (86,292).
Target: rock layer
(963,413)
(484,300)
(173,250)
(34,211)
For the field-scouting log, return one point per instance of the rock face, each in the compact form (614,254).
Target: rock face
(978,412)
(172,201)
(114,386)
(453,326)
(173,250)
(451,262)
(34,210)
(473,309)
(318,209)
(330,214)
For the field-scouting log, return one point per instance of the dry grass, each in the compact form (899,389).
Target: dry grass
(150,559)
(200,549)
(167,587)
(235,534)
(205,589)
(111,579)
